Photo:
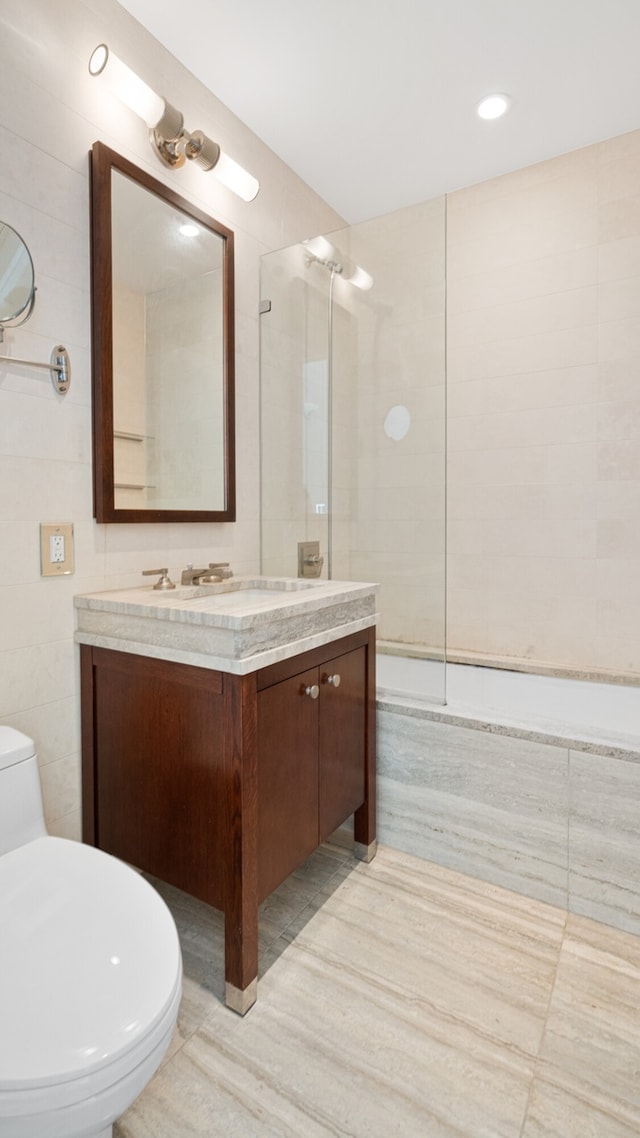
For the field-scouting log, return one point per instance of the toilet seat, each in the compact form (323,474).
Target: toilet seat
(90,974)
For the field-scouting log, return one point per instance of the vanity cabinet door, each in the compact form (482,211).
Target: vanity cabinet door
(158,771)
(342,732)
(311,761)
(287,778)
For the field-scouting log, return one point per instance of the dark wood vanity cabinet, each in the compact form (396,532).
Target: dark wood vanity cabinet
(311,752)
(222,784)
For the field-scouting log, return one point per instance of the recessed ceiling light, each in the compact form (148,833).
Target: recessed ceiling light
(493,106)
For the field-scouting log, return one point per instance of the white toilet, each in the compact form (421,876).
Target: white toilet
(90,971)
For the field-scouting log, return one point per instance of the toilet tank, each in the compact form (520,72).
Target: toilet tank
(21,809)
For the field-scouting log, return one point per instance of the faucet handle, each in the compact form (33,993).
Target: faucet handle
(165,581)
(221,569)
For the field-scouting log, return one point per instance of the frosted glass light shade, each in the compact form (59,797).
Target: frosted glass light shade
(321,248)
(236,178)
(130,89)
(360,278)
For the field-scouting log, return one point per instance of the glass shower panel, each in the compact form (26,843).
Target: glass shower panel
(294,367)
(354,380)
(398,508)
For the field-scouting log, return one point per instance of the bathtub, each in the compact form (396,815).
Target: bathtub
(572,708)
(526,781)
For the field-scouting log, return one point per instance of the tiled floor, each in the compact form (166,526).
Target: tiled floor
(402,999)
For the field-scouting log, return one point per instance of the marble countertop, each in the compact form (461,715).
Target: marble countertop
(236,626)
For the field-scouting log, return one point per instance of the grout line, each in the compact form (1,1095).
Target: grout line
(553,984)
(536,1063)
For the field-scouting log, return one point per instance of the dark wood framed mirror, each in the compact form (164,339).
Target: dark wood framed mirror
(162,289)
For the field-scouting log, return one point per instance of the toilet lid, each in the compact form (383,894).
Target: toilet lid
(14,746)
(89,961)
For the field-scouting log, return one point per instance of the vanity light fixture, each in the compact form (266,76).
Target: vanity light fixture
(493,106)
(171,142)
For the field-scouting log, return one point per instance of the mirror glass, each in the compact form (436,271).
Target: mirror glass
(162,277)
(16,274)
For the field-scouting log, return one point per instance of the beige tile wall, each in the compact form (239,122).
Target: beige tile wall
(544,411)
(51,112)
(397,524)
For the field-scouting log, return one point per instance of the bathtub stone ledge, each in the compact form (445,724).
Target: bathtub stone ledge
(510,664)
(556,734)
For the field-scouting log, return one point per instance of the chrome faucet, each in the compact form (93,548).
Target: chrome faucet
(217,571)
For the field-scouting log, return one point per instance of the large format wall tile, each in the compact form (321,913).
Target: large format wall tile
(488,805)
(543,284)
(604,846)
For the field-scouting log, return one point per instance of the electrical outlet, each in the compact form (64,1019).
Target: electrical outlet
(56,549)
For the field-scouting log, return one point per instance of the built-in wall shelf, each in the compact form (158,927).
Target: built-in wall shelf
(133,486)
(131,436)
(131,464)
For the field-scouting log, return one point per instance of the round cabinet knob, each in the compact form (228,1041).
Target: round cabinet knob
(312,690)
(333,679)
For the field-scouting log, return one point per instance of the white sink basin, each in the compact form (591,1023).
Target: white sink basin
(255,585)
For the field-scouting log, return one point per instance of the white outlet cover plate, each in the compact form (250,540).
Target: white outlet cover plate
(50,547)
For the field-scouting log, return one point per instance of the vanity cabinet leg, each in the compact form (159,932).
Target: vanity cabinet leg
(241,857)
(364,828)
(241,947)
(240,999)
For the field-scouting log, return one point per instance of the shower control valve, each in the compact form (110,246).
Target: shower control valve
(309,560)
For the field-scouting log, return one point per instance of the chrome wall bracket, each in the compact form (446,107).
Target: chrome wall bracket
(59,367)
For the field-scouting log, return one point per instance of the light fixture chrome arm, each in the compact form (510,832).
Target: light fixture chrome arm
(171,142)
(174,144)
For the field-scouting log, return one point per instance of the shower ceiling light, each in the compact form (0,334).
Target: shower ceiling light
(493,106)
(321,248)
(171,142)
(320,251)
(360,278)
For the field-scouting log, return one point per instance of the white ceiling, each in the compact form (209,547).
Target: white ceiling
(372,102)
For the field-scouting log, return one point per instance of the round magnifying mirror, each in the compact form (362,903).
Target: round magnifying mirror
(16,275)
